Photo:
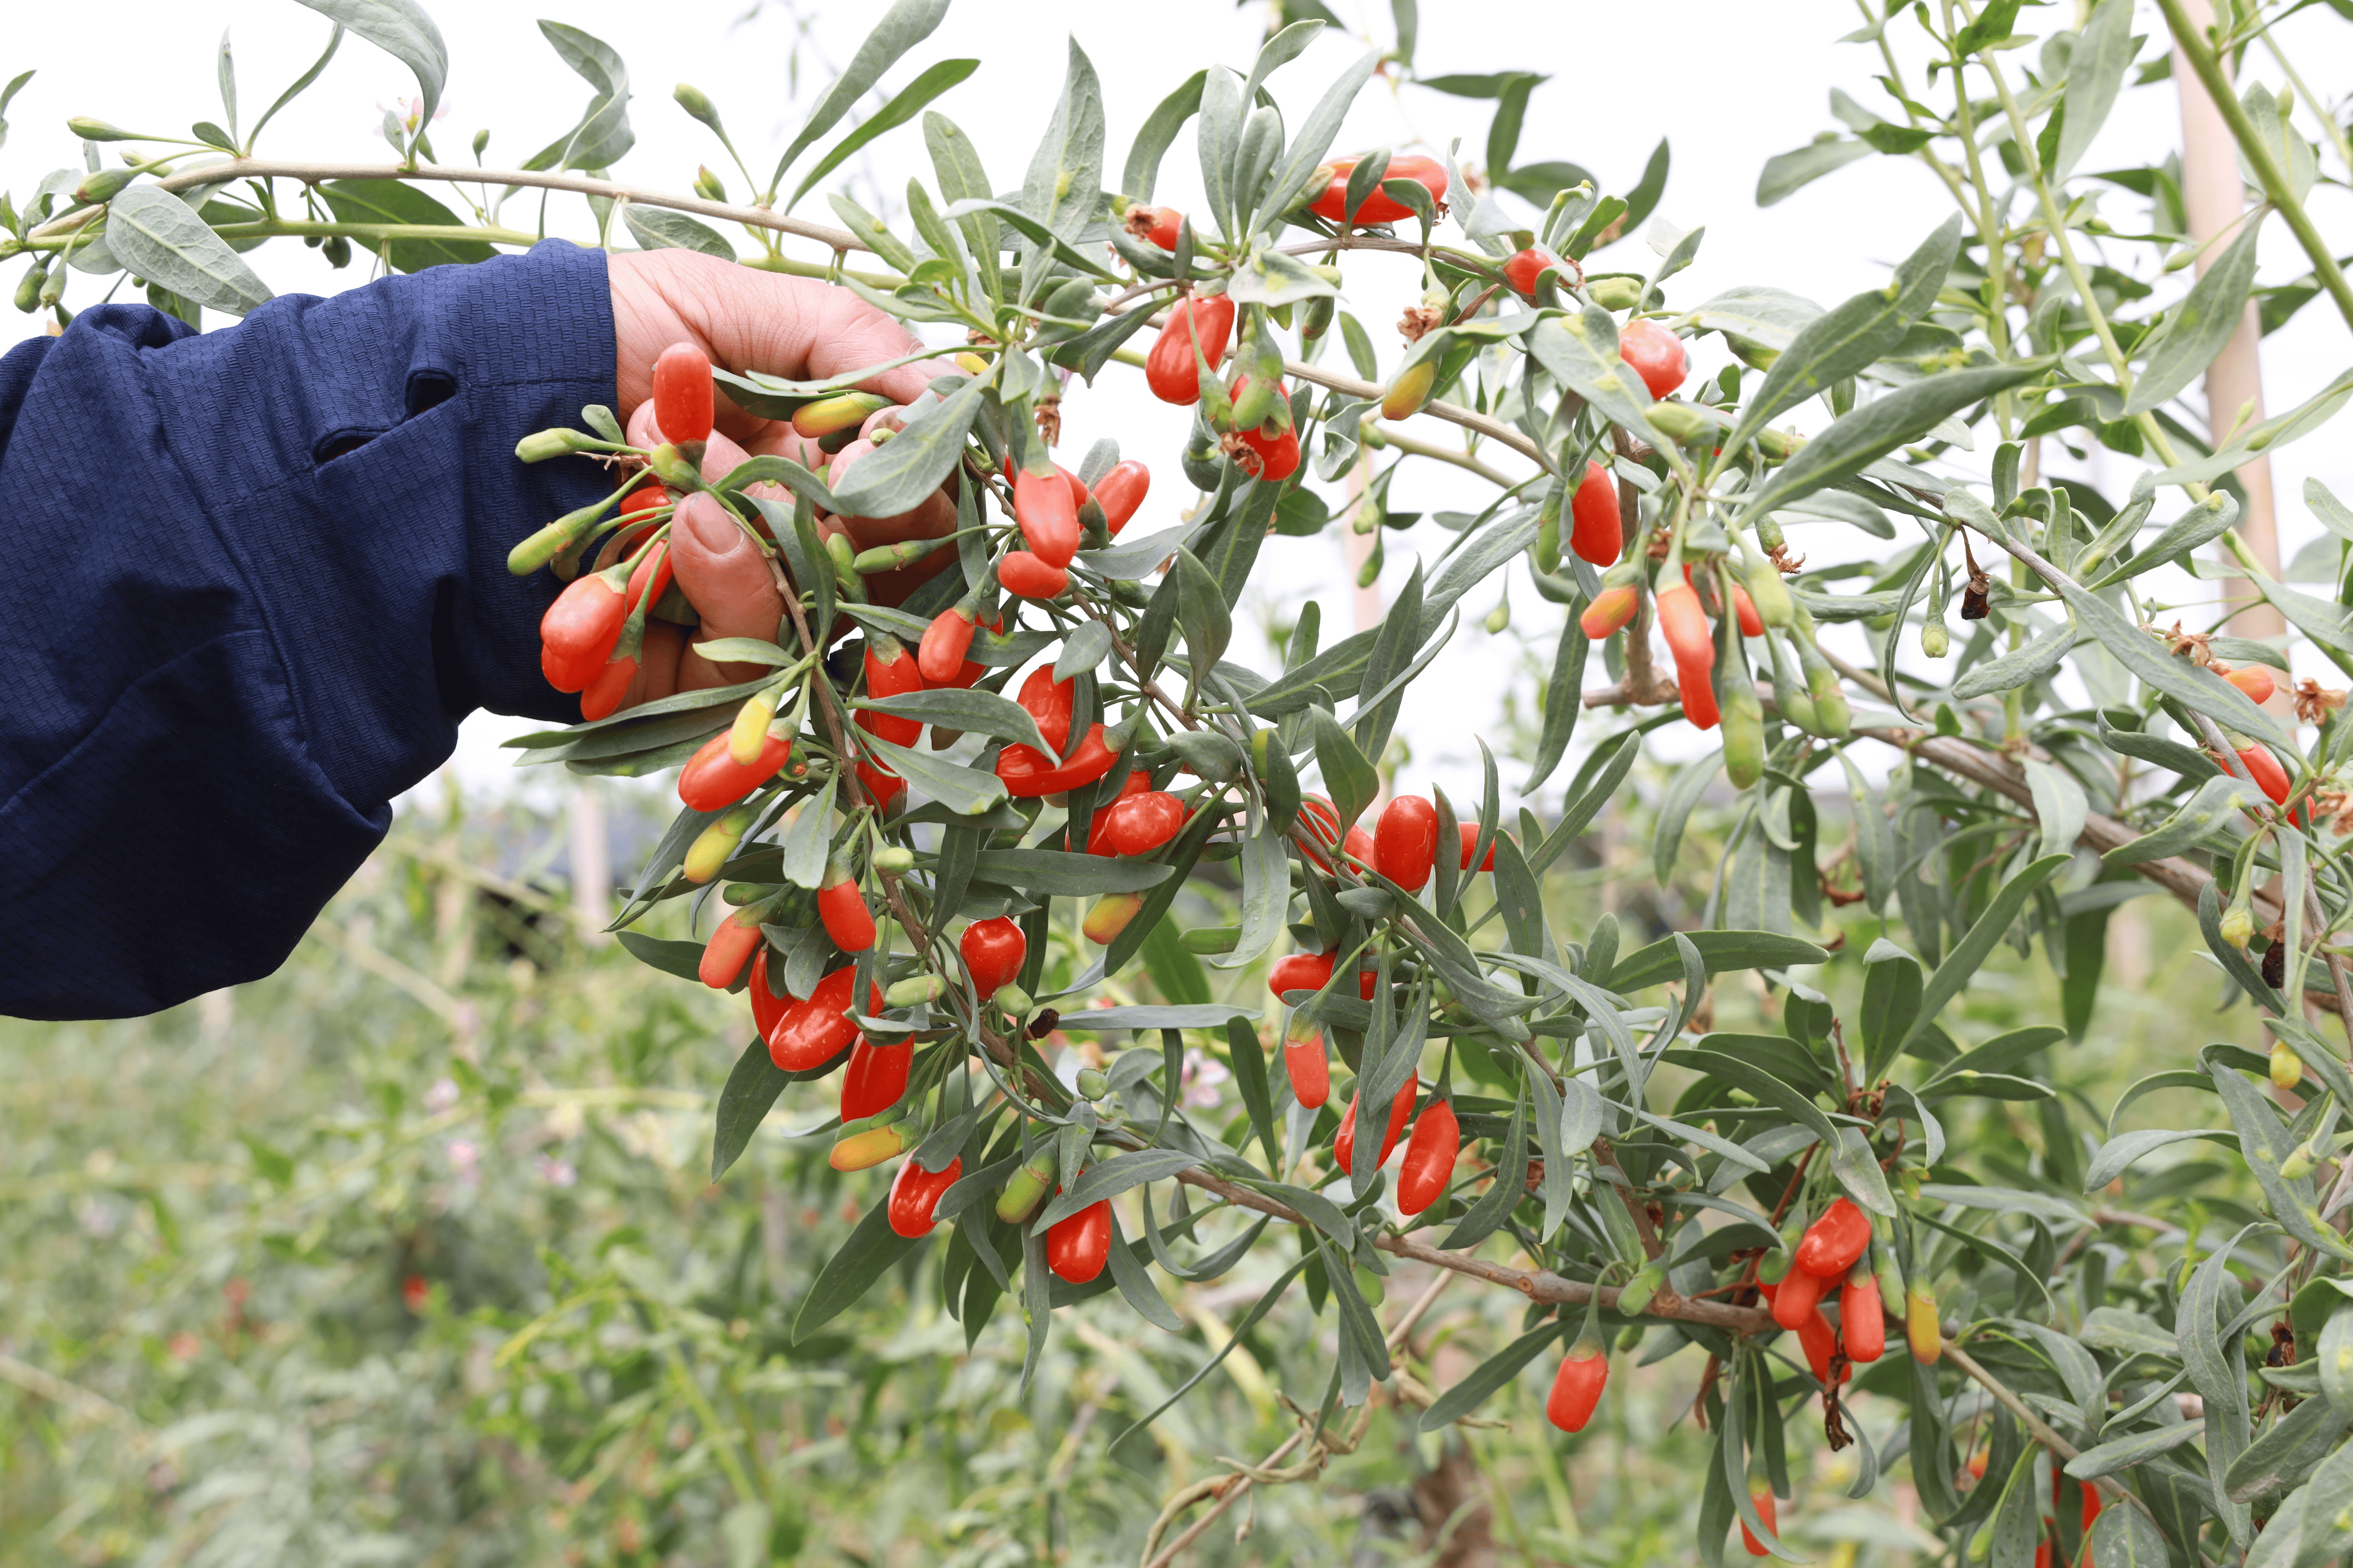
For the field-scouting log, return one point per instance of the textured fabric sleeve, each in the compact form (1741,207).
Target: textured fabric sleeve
(259,577)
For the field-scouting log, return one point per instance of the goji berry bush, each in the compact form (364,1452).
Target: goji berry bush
(984,788)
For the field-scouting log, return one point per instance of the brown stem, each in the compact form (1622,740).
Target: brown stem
(838,239)
(1537,1285)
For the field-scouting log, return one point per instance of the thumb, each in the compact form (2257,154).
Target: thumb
(728,581)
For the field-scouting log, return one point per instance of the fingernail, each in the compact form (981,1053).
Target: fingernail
(710,525)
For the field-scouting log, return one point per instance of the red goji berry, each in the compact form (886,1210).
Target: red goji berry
(713,780)
(1819,1342)
(1611,611)
(1161,226)
(650,576)
(915,1194)
(1656,355)
(1028,772)
(1300,971)
(882,783)
(994,951)
(1470,832)
(891,671)
(1761,1499)
(815,1031)
(1797,1295)
(843,910)
(1862,1320)
(1046,517)
(1098,839)
(1079,1245)
(1023,575)
(1143,823)
(1429,1156)
(1120,492)
(768,1008)
(1379,206)
(940,657)
(603,697)
(682,394)
(1834,1241)
(577,633)
(1577,1387)
(2264,769)
(1343,1141)
(1322,821)
(1684,625)
(1261,456)
(1405,841)
(1523,269)
(1309,1068)
(876,1077)
(1170,370)
(1596,528)
(2253,680)
(724,956)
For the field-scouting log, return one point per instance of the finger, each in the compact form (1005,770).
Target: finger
(657,674)
(726,578)
(798,328)
(850,333)
(720,457)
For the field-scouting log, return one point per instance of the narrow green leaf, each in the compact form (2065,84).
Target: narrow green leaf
(1881,426)
(1961,964)
(905,25)
(869,1253)
(910,102)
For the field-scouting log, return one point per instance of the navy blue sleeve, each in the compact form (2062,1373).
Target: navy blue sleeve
(256,578)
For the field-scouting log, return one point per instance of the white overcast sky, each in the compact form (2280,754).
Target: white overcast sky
(1730,82)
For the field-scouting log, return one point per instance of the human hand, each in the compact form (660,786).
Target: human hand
(747,321)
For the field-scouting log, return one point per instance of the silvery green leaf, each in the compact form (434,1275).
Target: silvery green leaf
(1785,172)
(1854,334)
(935,81)
(2120,1153)
(808,838)
(1581,353)
(2126,1537)
(897,478)
(2202,522)
(2096,71)
(905,25)
(2203,691)
(1266,893)
(659,229)
(2059,805)
(965,791)
(1880,426)
(970,709)
(1295,175)
(1156,134)
(155,234)
(2215,1370)
(2217,802)
(2278,431)
(2196,330)
(2291,154)
(1752,314)
(402,29)
(1064,184)
(2009,671)
(1271,278)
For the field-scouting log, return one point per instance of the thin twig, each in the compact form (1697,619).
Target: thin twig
(1235,1486)
(837,239)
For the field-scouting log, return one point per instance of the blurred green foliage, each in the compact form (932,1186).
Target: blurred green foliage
(405,1254)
